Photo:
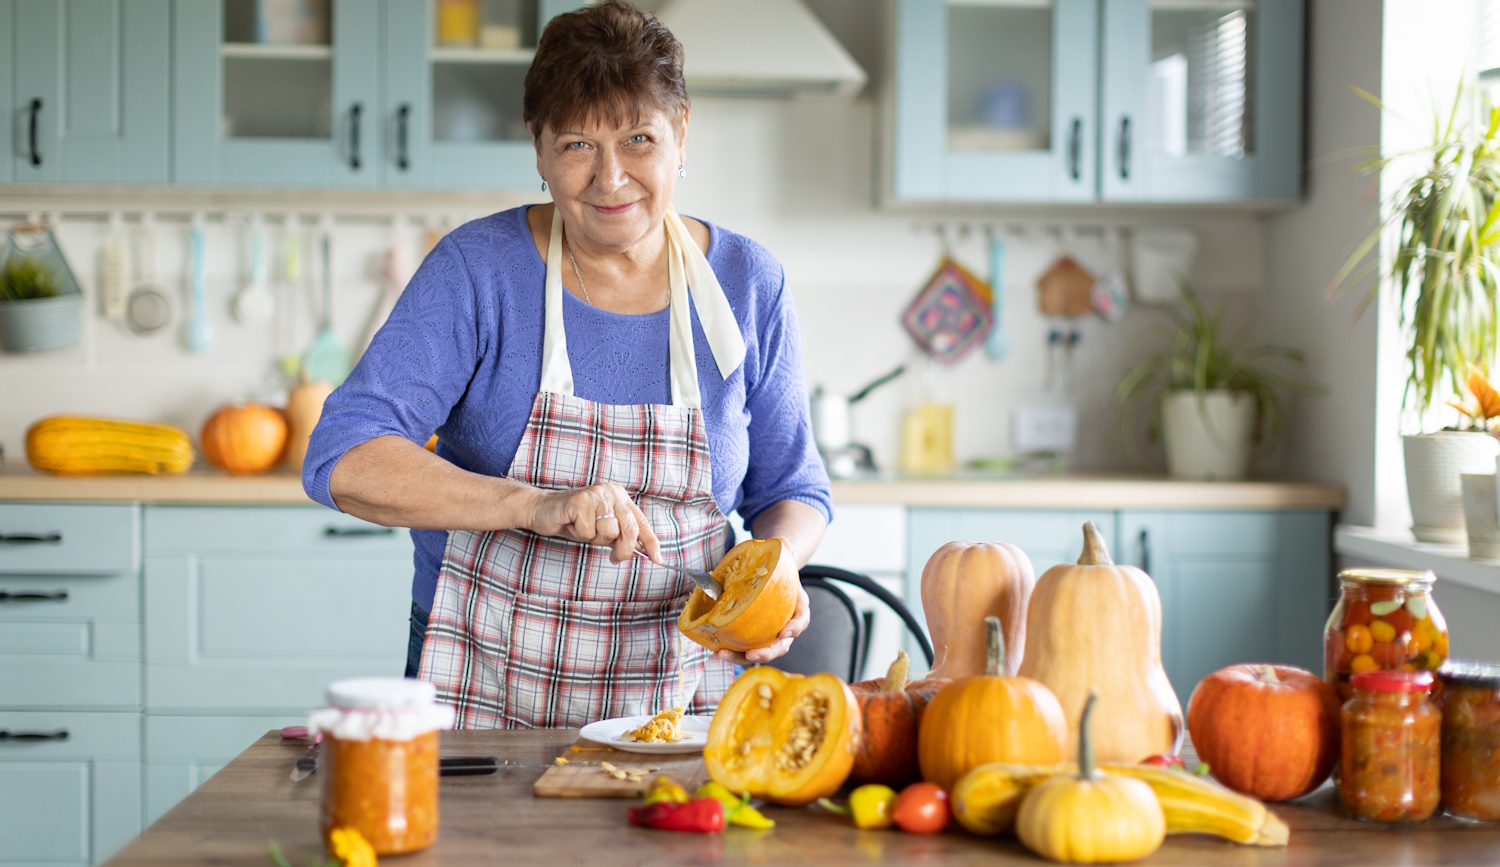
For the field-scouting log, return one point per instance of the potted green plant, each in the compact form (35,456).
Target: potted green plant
(1212,400)
(1444,221)
(40,303)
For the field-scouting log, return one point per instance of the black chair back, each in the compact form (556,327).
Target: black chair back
(837,636)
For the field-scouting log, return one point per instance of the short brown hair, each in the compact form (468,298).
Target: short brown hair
(607,61)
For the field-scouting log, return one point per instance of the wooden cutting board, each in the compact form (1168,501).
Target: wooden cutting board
(582,777)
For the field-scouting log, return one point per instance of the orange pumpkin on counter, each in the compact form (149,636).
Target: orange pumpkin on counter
(891,711)
(245,439)
(787,738)
(1269,731)
(962,584)
(989,718)
(760,583)
(1096,623)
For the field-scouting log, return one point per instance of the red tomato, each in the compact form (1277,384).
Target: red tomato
(922,808)
(1165,760)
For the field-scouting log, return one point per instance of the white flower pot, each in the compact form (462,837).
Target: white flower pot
(1434,463)
(1211,441)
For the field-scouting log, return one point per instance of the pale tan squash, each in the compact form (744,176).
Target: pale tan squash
(962,584)
(304,406)
(1096,624)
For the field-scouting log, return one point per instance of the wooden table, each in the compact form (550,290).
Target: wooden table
(495,820)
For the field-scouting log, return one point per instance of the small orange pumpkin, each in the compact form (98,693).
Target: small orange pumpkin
(760,583)
(989,718)
(962,584)
(245,439)
(892,713)
(1269,731)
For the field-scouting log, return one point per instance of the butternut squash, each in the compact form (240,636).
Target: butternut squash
(962,584)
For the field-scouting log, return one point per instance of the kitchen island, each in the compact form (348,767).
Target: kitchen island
(495,819)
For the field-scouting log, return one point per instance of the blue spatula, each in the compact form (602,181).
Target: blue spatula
(326,360)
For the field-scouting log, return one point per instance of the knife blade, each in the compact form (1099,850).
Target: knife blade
(708,583)
(456,766)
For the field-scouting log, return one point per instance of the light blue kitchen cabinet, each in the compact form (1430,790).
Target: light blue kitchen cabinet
(995,102)
(1235,586)
(258,609)
(70,786)
(1202,101)
(453,114)
(88,92)
(182,752)
(247,112)
(7,94)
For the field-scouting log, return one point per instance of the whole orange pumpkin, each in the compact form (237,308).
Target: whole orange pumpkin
(1269,731)
(989,718)
(245,439)
(891,710)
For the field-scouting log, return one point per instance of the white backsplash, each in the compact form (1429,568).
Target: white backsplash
(797,176)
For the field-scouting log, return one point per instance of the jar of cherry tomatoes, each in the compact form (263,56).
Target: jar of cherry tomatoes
(1470,702)
(1389,753)
(1385,620)
(379,761)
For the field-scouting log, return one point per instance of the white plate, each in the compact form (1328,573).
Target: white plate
(608,731)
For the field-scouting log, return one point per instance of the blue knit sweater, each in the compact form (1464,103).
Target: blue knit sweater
(461,355)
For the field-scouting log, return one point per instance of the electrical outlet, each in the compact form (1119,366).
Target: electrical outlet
(1043,429)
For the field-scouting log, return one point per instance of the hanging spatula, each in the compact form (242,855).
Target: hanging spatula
(326,360)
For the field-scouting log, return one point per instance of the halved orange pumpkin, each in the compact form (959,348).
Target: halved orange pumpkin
(787,738)
(759,599)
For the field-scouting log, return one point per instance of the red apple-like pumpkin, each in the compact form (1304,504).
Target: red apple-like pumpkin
(1269,731)
(892,712)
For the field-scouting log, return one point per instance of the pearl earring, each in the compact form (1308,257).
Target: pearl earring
(544,185)
(681,171)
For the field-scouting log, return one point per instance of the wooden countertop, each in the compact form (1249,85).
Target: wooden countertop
(980,491)
(495,819)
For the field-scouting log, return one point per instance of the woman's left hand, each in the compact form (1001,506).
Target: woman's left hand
(783,641)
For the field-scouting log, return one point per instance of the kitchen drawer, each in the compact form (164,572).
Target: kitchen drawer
(70,641)
(69,801)
(184,751)
(258,529)
(65,539)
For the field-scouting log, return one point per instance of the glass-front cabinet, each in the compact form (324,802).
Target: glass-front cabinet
(1166,101)
(995,100)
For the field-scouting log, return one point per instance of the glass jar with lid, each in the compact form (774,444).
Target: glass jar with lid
(1469,699)
(1389,757)
(1385,620)
(379,762)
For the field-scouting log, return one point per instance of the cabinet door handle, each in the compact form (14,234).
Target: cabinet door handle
(1123,153)
(355,111)
(30,538)
(55,596)
(29,737)
(36,154)
(1075,149)
(403,119)
(1145,542)
(354,532)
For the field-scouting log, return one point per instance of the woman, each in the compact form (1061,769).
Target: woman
(602,375)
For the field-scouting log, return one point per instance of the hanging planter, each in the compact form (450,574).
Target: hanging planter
(41,305)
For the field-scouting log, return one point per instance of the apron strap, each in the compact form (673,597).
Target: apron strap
(557,371)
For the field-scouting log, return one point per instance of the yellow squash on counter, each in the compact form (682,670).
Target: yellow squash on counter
(68,445)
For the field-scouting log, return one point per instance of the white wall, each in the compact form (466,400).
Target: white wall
(798,176)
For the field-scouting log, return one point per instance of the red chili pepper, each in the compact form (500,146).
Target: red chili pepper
(703,816)
(1165,760)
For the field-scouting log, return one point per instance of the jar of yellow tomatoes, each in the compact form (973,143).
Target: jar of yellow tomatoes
(1470,702)
(1389,752)
(1385,619)
(379,761)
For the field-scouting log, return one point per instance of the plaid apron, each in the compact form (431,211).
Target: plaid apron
(530,631)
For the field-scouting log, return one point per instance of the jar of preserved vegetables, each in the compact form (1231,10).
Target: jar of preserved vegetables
(379,761)
(1470,702)
(1385,620)
(1389,754)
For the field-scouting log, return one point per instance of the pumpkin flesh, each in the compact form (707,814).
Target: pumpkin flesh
(760,583)
(787,738)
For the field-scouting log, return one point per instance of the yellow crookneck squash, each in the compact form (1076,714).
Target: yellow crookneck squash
(962,584)
(787,738)
(1091,818)
(1100,623)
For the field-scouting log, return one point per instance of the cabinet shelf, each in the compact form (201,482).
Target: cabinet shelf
(260,51)
(496,56)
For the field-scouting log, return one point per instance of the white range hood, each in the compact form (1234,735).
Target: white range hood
(760,48)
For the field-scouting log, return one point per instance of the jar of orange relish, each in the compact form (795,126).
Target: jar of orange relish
(1385,620)
(1470,702)
(379,761)
(1389,756)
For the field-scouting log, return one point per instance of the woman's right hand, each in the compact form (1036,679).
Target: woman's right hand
(595,515)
